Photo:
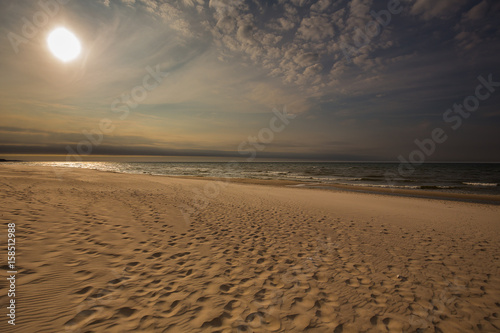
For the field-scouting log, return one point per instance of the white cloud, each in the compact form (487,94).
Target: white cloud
(306,59)
(321,5)
(150,5)
(288,21)
(315,28)
(358,14)
(189,3)
(283,24)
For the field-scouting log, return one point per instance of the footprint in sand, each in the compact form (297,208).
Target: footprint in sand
(126,312)
(80,317)
(83,290)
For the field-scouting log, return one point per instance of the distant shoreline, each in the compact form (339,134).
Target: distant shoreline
(410,193)
(423,194)
(4,160)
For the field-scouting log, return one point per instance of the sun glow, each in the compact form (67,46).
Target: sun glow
(63,44)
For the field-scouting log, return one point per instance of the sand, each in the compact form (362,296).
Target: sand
(107,252)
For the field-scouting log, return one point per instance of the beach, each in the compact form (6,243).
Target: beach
(109,252)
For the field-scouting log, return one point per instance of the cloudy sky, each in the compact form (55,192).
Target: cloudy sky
(363,78)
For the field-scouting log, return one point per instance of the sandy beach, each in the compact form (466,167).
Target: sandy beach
(107,252)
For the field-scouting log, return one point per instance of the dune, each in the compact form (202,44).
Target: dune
(107,252)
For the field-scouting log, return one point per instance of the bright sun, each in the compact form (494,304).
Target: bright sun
(63,44)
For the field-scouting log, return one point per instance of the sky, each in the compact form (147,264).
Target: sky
(322,80)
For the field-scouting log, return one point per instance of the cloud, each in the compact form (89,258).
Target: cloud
(315,28)
(477,12)
(306,59)
(442,9)
(287,21)
(321,5)
(467,40)
(189,3)
(299,3)
(230,62)
(477,26)
(358,15)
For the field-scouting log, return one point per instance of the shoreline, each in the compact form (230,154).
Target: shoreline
(416,193)
(112,252)
(488,199)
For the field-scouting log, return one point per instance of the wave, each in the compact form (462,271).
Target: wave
(373,179)
(480,184)
(407,187)
(382,186)
(438,187)
(328,179)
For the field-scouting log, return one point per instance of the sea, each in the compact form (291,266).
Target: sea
(464,178)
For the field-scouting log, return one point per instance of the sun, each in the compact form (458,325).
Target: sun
(63,44)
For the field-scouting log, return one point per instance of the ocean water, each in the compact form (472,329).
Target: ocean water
(481,178)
